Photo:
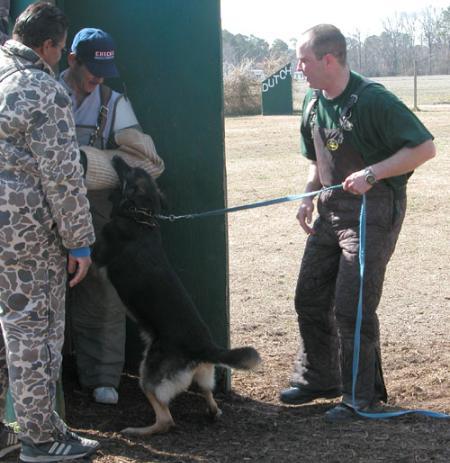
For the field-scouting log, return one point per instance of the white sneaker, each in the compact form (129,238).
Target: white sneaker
(106,395)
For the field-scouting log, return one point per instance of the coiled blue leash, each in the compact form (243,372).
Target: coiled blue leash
(357,336)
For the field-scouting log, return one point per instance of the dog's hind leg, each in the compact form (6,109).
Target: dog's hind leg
(164,420)
(204,377)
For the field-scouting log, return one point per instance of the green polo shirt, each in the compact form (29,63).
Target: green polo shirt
(382,124)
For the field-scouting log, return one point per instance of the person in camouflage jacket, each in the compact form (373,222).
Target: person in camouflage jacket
(45,225)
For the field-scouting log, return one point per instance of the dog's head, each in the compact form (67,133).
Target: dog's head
(137,189)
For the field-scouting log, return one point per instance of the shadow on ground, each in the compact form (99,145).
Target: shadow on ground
(250,430)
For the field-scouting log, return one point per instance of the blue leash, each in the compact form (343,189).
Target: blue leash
(269,202)
(357,337)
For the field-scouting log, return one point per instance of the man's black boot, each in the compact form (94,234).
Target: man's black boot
(297,395)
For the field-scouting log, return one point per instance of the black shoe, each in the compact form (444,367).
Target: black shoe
(8,440)
(340,413)
(297,395)
(344,412)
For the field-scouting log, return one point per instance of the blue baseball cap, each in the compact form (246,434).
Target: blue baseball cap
(96,49)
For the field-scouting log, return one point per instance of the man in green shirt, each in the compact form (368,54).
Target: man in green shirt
(358,134)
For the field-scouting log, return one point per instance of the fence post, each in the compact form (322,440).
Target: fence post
(415,107)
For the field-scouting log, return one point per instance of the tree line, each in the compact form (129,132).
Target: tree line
(250,52)
(408,41)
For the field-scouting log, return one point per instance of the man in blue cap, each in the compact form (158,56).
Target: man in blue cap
(105,125)
(96,50)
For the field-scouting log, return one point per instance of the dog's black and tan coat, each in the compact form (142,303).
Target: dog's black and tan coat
(179,347)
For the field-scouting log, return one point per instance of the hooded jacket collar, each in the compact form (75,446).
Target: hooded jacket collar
(18,49)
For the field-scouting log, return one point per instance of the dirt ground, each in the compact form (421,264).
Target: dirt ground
(265,248)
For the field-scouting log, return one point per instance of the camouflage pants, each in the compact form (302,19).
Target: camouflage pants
(32,293)
(327,292)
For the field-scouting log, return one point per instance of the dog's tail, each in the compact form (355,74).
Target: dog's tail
(242,358)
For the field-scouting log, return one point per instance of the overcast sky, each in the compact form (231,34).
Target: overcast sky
(286,19)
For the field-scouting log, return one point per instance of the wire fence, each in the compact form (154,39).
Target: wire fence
(431,90)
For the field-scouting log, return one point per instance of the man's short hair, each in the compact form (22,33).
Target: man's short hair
(326,38)
(39,22)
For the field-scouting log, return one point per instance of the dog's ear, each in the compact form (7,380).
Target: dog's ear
(121,167)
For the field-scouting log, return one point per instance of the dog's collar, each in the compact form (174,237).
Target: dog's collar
(141,216)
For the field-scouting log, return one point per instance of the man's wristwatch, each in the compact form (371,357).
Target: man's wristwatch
(369,176)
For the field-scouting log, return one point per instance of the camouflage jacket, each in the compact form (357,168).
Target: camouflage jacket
(38,142)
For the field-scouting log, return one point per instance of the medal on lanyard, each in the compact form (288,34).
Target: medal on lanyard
(332,144)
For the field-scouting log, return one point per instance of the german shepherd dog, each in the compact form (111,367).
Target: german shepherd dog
(179,349)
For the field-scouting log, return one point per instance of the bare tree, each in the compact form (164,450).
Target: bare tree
(391,38)
(356,48)
(444,36)
(407,41)
(373,56)
(429,20)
